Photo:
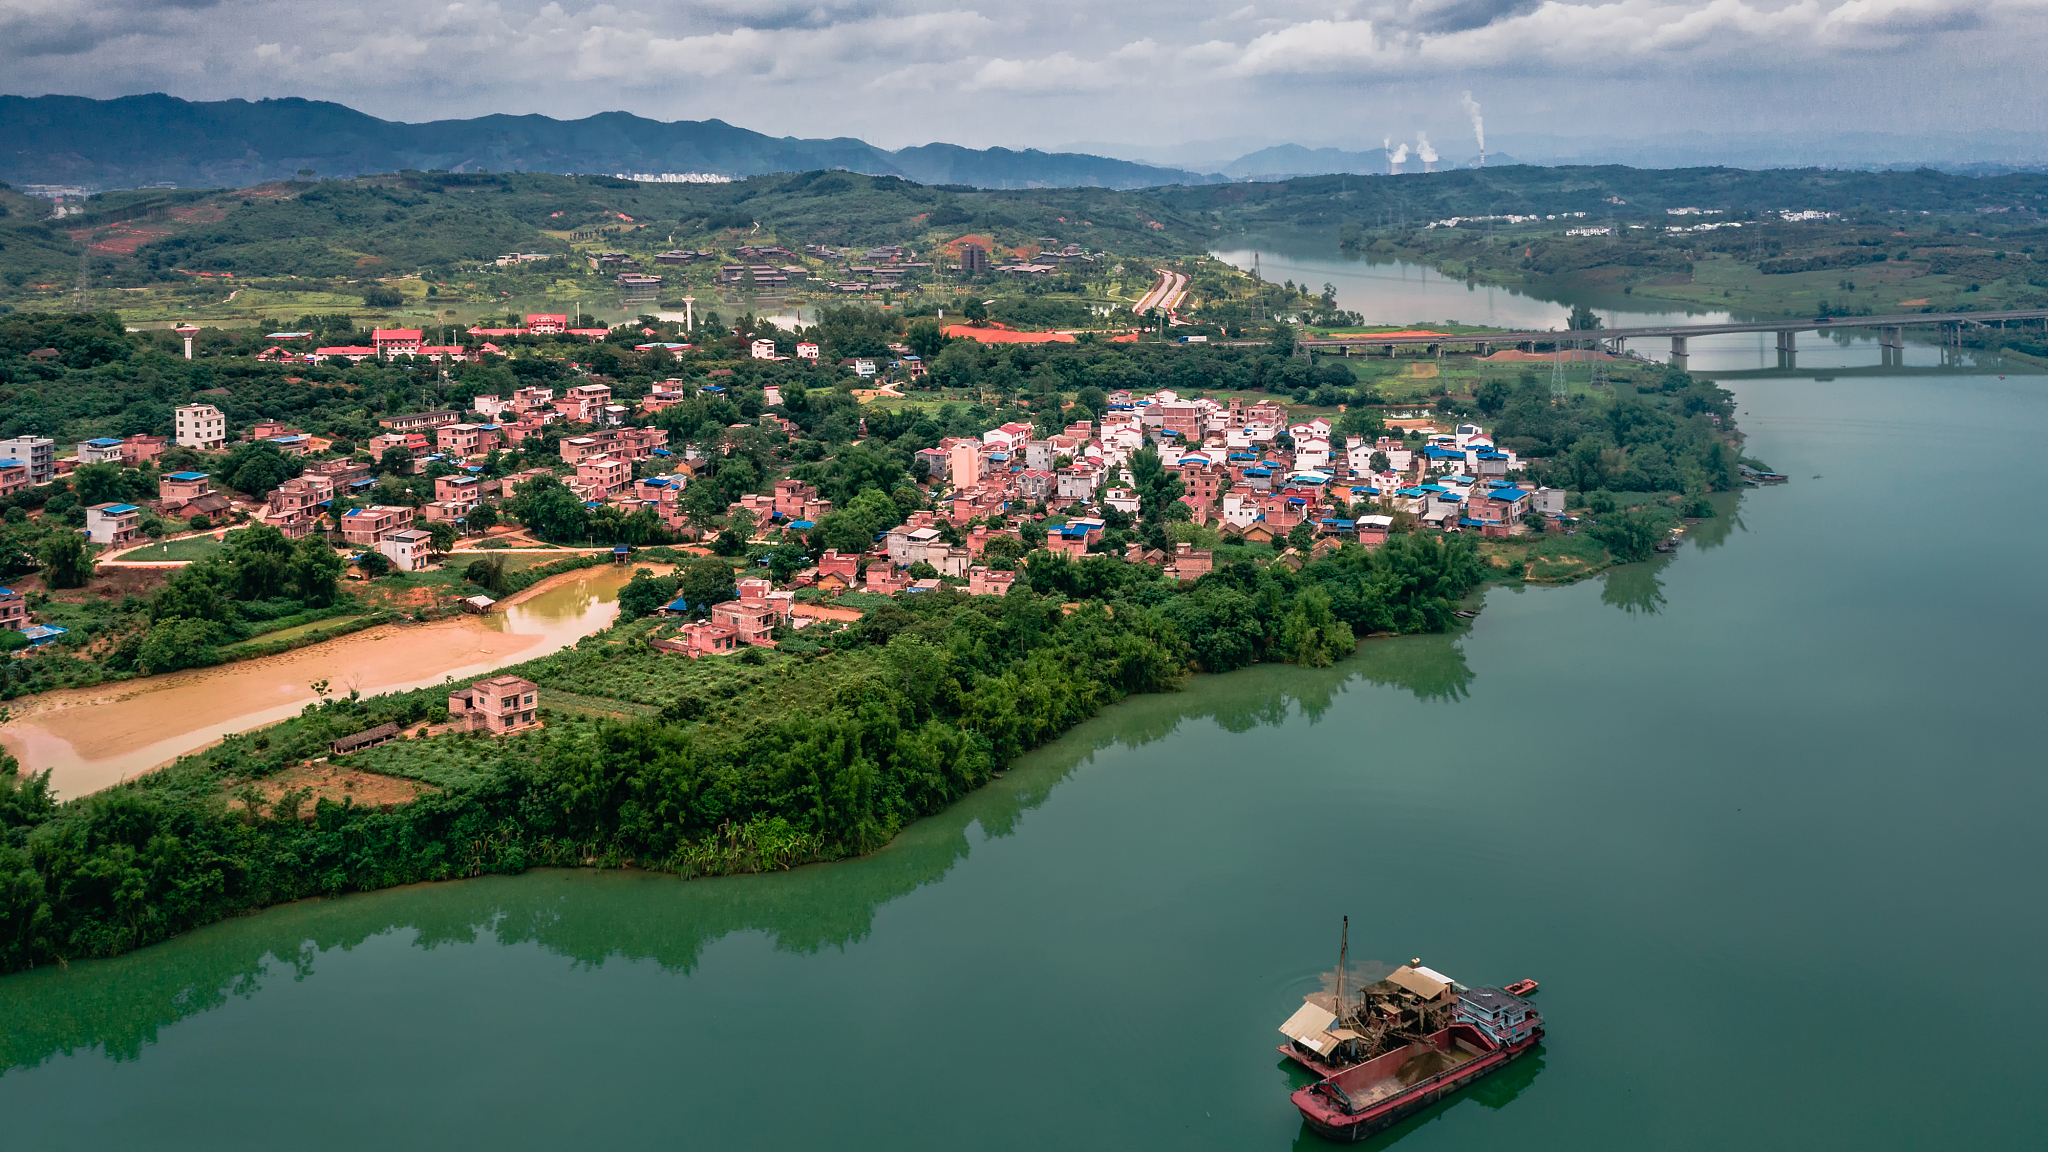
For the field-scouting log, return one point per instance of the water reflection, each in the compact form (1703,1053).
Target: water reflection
(118,1006)
(1634,588)
(1495,1092)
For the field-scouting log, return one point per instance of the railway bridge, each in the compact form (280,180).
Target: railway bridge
(1891,334)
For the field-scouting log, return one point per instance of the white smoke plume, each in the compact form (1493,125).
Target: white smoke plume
(1478,124)
(1423,150)
(1397,157)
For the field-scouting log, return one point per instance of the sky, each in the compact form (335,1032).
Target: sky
(1177,81)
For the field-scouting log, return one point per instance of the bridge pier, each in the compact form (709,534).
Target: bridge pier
(1891,337)
(1678,355)
(1788,340)
(1390,351)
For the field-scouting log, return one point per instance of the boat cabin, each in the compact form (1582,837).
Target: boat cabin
(1504,1017)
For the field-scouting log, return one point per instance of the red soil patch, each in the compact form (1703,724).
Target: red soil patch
(330,782)
(998,335)
(122,240)
(199,214)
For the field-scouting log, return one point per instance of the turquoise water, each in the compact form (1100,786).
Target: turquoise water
(1763,817)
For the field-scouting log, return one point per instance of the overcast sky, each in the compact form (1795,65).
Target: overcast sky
(1050,73)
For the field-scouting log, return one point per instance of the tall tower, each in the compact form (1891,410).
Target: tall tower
(188,331)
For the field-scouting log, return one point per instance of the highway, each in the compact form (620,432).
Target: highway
(1167,294)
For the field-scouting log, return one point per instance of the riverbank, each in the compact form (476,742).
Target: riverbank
(94,737)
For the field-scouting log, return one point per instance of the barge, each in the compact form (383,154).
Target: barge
(1401,1044)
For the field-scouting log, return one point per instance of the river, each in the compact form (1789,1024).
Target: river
(92,737)
(1762,816)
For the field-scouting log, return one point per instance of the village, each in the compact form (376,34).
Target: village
(1247,471)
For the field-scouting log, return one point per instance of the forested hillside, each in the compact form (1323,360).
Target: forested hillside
(141,140)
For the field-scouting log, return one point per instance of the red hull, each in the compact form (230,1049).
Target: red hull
(1323,1112)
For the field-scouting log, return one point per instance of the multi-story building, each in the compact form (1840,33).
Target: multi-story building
(13,610)
(37,453)
(113,523)
(411,421)
(541,324)
(13,477)
(99,451)
(200,426)
(296,503)
(391,342)
(141,449)
(406,548)
(466,439)
(600,476)
(366,527)
(500,704)
(585,403)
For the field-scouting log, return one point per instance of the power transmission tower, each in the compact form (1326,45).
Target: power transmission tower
(1557,388)
(1599,377)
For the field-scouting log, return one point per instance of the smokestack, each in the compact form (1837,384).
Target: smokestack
(1423,150)
(1478,125)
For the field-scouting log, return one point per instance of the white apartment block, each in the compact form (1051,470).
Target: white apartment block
(202,426)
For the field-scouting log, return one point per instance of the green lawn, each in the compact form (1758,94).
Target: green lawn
(190,548)
(292,632)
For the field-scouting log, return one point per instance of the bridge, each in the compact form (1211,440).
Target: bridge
(1891,333)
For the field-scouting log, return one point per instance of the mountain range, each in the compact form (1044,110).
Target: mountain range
(138,141)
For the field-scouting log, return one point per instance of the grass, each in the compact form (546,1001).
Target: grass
(294,632)
(190,548)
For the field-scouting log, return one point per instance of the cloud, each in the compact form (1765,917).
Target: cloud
(1059,72)
(1509,33)
(1215,69)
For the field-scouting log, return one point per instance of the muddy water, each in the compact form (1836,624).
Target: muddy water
(93,737)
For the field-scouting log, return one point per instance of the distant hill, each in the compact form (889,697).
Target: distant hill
(136,141)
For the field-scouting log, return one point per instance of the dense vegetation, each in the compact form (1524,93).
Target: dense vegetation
(755,761)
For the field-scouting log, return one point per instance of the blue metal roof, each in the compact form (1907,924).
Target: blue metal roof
(105,442)
(172,476)
(802,524)
(118,509)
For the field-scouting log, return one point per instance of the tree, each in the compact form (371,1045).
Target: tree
(1583,319)
(550,510)
(1312,636)
(927,337)
(176,644)
(707,581)
(645,594)
(99,484)
(67,562)
(1302,537)
(1630,536)
(314,572)
(441,535)
(200,523)
(922,570)
(374,564)
(487,573)
(975,311)
(257,468)
(1156,488)
(481,518)
(396,461)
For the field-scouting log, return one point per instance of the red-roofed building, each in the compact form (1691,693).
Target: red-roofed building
(396,341)
(541,324)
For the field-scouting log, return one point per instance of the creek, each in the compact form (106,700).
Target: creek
(93,737)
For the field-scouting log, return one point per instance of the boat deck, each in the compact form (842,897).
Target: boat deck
(1418,1067)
